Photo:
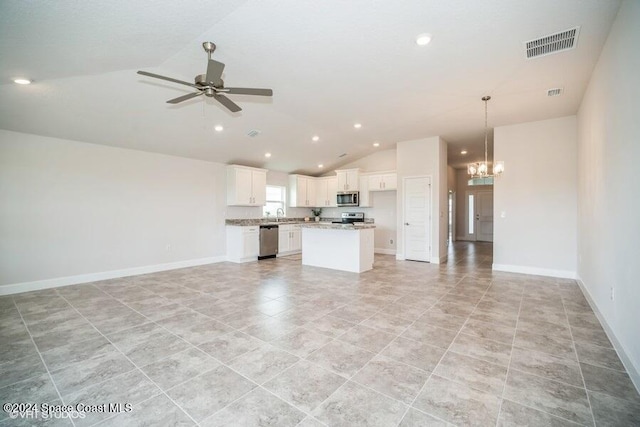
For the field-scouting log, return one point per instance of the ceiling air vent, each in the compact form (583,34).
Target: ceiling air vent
(556,91)
(253,133)
(554,43)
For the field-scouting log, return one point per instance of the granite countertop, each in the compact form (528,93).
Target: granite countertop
(331,226)
(284,221)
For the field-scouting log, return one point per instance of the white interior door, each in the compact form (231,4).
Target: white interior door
(417,223)
(484,216)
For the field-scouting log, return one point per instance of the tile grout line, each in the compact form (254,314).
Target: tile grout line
(436,365)
(513,341)
(584,383)
(131,361)
(226,364)
(375,354)
(41,358)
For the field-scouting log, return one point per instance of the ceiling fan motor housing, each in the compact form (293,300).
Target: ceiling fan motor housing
(201,80)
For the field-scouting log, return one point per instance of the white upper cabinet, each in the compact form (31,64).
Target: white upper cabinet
(302,191)
(326,191)
(348,179)
(383,181)
(246,186)
(365,200)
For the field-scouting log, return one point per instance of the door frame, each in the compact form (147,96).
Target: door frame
(429,221)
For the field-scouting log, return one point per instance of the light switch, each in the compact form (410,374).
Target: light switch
(503,214)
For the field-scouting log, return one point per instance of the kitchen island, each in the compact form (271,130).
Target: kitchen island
(338,246)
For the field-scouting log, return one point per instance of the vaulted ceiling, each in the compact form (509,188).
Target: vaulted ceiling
(330,63)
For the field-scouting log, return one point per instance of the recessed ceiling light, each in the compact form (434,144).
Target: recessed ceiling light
(423,39)
(315,138)
(267,155)
(22,81)
(320,165)
(463,152)
(357,125)
(376,144)
(218,128)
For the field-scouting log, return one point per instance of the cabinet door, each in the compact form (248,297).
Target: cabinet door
(296,238)
(311,192)
(375,183)
(283,239)
(259,188)
(352,181)
(251,244)
(364,192)
(332,192)
(321,193)
(390,181)
(244,192)
(342,181)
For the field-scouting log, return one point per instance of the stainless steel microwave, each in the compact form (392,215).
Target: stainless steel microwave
(348,198)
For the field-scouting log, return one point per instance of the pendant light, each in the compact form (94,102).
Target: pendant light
(481,169)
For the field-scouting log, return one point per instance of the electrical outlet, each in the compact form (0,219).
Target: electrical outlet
(613,294)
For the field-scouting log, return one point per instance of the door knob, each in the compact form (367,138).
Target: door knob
(406,223)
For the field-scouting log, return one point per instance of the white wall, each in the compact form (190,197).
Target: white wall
(71,209)
(426,157)
(609,189)
(538,196)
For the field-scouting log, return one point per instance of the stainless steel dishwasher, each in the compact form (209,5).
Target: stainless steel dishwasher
(268,241)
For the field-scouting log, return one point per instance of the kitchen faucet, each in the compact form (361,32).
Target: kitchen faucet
(278,214)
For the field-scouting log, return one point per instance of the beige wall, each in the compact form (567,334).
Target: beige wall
(535,201)
(426,157)
(73,209)
(609,188)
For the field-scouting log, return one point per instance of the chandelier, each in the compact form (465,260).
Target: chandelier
(481,169)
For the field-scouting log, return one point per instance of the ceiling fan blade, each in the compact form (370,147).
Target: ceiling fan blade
(232,106)
(214,72)
(248,91)
(169,79)
(184,97)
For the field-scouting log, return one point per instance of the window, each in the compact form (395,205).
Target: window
(480,181)
(470,211)
(275,200)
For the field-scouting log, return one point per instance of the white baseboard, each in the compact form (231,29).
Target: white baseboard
(16,288)
(564,274)
(384,251)
(624,358)
(399,256)
(438,260)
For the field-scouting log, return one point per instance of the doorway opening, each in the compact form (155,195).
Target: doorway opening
(479,215)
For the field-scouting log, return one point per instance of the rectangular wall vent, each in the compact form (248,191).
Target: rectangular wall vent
(253,133)
(554,43)
(556,91)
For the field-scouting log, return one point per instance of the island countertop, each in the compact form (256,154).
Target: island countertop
(331,226)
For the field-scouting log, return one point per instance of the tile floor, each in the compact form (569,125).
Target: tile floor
(273,343)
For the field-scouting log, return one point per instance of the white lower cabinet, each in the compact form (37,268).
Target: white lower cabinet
(243,243)
(289,239)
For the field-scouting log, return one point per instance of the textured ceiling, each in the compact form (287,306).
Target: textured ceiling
(330,64)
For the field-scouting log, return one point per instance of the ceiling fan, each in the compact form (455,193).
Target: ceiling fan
(211,84)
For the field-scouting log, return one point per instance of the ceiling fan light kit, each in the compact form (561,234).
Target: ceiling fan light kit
(211,84)
(481,169)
